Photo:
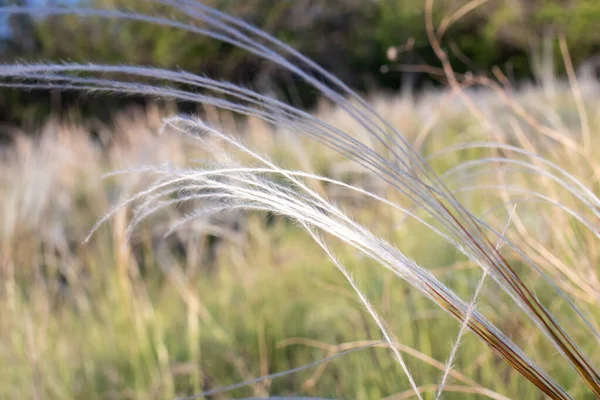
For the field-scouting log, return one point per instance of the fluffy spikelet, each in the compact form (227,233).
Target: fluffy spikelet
(391,158)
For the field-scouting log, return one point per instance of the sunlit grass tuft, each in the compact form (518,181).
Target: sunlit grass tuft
(485,211)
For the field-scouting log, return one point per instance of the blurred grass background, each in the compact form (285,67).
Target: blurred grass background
(234,298)
(228,300)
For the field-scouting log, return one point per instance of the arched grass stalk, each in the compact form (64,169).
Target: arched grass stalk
(394,161)
(464,325)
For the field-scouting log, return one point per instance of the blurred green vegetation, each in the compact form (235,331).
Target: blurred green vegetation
(350,38)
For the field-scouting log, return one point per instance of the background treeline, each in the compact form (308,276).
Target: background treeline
(351,38)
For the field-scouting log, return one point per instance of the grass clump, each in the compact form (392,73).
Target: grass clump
(497,230)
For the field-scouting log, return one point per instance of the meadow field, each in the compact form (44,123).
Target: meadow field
(439,243)
(229,298)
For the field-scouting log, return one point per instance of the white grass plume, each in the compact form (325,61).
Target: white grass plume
(252,189)
(401,166)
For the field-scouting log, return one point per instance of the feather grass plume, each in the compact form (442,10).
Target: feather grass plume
(267,187)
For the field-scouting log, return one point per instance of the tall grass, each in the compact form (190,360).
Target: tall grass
(546,278)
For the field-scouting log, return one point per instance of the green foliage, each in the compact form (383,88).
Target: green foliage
(347,37)
(343,35)
(524,24)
